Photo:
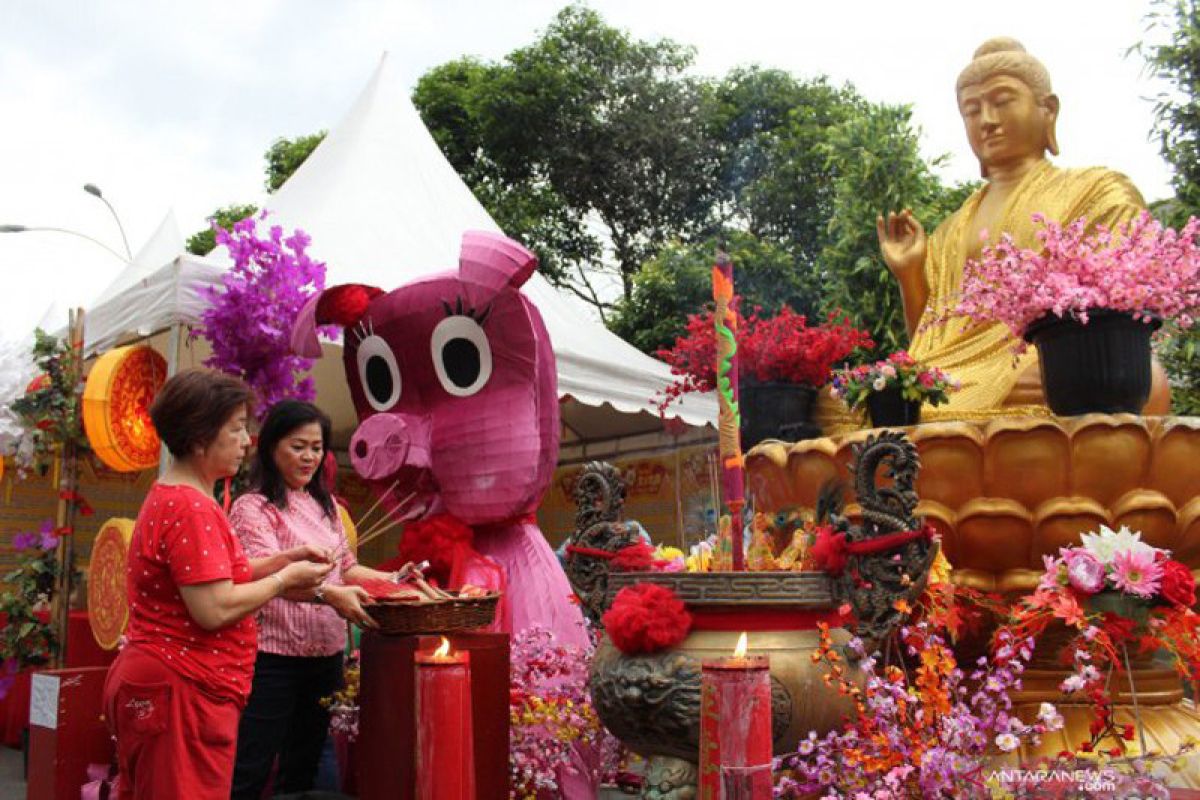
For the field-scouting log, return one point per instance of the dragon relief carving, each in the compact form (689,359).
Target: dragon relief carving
(652,702)
(874,583)
(599,526)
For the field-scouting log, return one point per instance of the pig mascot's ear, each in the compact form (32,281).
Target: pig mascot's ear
(341,305)
(494,261)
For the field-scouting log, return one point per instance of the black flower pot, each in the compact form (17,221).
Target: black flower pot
(1102,367)
(776,410)
(889,409)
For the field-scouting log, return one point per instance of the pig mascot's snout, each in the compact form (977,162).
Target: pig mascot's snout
(386,443)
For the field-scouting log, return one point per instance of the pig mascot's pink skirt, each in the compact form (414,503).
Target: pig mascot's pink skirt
(539,594)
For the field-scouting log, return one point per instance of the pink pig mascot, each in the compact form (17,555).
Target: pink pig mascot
(454,382)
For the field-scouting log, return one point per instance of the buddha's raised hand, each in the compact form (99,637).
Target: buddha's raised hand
(901,242)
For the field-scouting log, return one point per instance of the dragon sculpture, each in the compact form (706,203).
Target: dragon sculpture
(599,526)
(890,552)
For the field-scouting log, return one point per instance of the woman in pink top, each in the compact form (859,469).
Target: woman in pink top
(302,635)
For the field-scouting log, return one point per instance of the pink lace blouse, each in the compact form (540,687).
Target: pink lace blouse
(287,627)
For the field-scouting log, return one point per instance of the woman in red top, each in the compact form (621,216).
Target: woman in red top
(174,694)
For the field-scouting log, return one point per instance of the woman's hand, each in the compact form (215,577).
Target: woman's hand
(348,601)
(303,575)
(308,552)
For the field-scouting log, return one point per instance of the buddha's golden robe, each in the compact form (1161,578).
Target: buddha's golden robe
(980,356)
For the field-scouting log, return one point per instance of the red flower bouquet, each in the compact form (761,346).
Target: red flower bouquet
(781,348)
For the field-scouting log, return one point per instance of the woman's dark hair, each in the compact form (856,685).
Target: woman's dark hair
(284,418)
(191,407)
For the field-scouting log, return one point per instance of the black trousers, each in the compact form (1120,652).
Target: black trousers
(284,719)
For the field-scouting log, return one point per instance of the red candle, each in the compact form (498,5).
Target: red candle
(735,727)
(445,755)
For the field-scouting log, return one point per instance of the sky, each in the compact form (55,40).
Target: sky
(170,106)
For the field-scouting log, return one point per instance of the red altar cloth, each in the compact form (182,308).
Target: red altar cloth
(82,651)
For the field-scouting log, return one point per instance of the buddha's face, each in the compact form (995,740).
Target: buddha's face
(1004,120)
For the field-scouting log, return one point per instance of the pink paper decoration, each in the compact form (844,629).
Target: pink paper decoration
(454,381)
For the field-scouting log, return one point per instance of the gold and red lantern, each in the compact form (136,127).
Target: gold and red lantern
(108,607)
(116,407)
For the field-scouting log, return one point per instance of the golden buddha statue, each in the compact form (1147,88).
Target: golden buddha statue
(1009,112)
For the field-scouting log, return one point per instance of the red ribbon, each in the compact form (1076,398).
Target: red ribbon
(78,499)
(637,557)
(831,551)
(607,555)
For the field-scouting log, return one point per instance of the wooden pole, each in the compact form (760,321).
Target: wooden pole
(68,484)
(173,343)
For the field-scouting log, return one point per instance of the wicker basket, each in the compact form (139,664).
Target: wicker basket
(437,616)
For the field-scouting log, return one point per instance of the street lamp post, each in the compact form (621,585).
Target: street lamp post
(37,228)
(94,190)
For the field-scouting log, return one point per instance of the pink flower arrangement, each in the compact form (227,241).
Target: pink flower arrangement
(1141,268)
(551,715)
(917,382)
(924,727)
(1116,561)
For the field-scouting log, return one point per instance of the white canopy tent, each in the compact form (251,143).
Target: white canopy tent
(159,290)
(383,206)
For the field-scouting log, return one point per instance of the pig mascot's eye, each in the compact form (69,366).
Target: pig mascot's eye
(379,373)
(461,355)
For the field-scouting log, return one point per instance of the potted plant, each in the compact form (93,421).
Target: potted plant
(893,390)
(1089,301)
(783,362)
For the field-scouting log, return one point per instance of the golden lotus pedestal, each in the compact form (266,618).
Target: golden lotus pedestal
(1005,492)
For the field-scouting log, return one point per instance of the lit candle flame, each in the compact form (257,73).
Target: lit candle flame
(443,649)
(740,650)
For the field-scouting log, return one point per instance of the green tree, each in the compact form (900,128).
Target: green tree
(285,156)
(1176,59)
(775,181)
(596,138)
(879,168)
(201,243)
(678,281)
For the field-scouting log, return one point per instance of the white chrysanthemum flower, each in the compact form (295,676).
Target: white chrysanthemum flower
(1107,543)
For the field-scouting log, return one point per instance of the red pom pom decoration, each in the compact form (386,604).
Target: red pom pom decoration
(345,305)
(646,618)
